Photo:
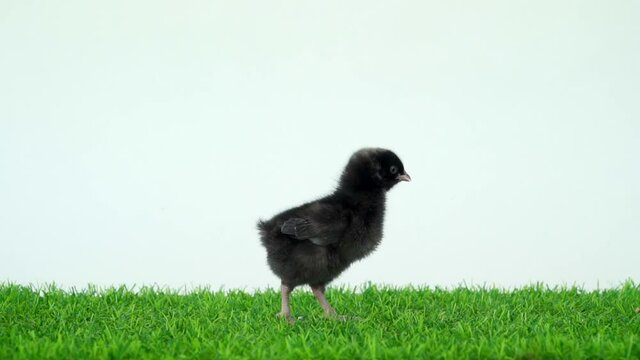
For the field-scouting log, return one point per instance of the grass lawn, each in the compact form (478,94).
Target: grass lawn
(464,323)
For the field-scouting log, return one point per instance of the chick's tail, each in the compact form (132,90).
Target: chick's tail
(263,229)
(272,239)
(261,225)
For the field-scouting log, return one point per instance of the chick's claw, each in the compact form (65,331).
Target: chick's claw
(287,317)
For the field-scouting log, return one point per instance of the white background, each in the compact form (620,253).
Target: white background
(141,141)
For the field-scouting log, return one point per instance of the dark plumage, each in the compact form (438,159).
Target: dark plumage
(315,242)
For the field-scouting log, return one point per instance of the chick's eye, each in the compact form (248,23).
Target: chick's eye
(393,170)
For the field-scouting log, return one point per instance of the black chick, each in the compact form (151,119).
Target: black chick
(315,242)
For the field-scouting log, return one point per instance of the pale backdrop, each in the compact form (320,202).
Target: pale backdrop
(141,141)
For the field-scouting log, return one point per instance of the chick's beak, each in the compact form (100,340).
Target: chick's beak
(404,177)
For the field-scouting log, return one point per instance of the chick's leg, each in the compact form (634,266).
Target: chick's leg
(318,292)
(285,311)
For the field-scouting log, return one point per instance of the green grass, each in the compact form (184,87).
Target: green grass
(464,323)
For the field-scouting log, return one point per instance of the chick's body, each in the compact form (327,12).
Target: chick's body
(315,242)
(358,231)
